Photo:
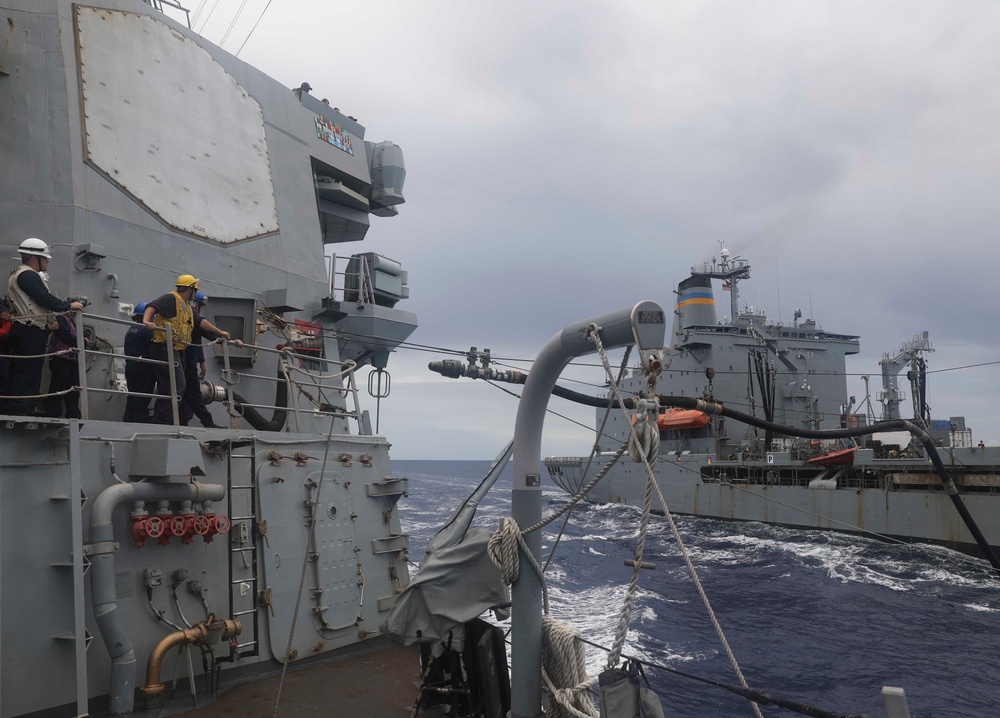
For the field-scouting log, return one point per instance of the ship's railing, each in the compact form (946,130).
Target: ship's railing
(313,382)
(358,284)
(314,385)
(160,4)
(961,438)
(717,267)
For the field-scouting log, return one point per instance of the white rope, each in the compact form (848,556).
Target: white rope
(502,550)
(351,367)
(564,671)
(651,484)
(38,356)
(43,396)
(643,441)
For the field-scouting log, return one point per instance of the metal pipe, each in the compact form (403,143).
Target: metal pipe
(172,373)
(198,634)
(105,601)
(81,367)
(644,325)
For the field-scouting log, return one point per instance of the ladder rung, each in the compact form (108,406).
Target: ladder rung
(244,645)
(242,550)
(237,486)
(243,580)
(244,613)
(242,518)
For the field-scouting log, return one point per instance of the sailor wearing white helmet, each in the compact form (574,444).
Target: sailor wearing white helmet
(33,309)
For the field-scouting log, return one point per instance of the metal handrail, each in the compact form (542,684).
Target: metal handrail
(227,375)
(365,288)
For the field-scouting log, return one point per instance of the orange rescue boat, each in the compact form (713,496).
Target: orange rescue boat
(681,419)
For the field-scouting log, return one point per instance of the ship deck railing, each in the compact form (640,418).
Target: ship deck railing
(315,382)
(358,283)
(161,4)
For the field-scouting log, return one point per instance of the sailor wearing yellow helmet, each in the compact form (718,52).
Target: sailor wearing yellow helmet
(174,309)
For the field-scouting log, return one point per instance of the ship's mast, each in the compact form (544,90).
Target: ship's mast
(731,272)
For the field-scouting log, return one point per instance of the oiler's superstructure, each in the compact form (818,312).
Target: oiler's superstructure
(793,376)
(139,151)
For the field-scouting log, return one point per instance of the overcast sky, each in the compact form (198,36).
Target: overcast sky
(567,158)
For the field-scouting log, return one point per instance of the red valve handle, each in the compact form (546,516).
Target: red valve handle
(178,525)
(155,527)
(201,525)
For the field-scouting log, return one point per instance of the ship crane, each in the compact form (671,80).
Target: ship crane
(909,353)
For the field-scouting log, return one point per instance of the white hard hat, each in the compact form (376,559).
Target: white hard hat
(35,246)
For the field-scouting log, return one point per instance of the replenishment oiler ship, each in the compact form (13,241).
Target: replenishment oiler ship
(138,152)
(793,375)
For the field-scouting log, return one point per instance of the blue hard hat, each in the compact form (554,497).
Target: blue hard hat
(139,310)
(200,298)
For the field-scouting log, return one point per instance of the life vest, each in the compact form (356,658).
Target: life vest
(24,309)
(182,324)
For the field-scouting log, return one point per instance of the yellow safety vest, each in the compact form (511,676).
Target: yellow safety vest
(182,324)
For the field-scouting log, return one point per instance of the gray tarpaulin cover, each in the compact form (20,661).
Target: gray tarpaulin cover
(453,585)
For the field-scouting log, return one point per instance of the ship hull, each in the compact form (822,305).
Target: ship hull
(896,500)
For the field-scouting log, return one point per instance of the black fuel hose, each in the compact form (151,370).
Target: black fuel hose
(254,417)
(918,432)
(455,369)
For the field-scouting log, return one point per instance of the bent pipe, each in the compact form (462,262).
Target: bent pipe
(254,417)
(102,571)
(198,634)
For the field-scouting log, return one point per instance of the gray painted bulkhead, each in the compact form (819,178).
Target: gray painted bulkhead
(52,471)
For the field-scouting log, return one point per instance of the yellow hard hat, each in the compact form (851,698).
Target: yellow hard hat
(186,280)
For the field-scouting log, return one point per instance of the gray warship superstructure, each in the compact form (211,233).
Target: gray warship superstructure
(139,151)
(794,375)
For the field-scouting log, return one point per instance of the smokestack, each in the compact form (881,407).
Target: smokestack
(695,302)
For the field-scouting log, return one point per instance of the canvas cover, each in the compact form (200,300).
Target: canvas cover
(453,585)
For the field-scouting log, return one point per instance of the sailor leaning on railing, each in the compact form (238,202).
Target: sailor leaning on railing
(33,309)
(174,309)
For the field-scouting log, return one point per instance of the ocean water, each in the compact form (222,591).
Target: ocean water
(822,618)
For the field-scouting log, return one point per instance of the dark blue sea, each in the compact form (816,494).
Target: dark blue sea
(822,618)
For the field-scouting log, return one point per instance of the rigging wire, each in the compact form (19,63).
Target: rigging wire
(210,13)
(750,694)
(254,27)
(233,23)
(197,12)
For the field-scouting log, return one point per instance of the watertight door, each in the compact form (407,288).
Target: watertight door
(311,541)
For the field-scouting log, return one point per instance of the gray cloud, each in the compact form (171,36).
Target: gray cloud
(568,158)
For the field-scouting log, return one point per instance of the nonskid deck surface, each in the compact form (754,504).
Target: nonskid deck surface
(370,685)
